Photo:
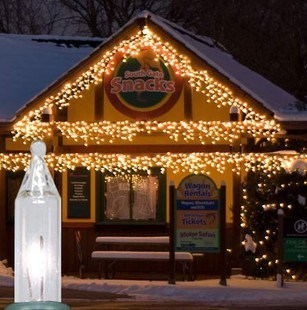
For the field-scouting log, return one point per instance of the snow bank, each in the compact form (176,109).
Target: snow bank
(6,274)
(239,291)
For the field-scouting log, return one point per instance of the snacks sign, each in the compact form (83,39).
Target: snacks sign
(142,86)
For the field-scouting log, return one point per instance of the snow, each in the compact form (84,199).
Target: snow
(239,290)
(270,95)
(299,165)
(125,239)
(29,66)
(249,244)
(140,255)
(6,274)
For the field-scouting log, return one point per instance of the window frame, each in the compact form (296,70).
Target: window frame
(101,200)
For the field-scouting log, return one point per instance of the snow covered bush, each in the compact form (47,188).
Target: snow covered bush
(263,194)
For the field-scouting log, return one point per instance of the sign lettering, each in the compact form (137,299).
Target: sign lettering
(143,86)
(197,215)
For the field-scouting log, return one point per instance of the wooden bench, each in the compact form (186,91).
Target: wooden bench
(109,259)
(104,240)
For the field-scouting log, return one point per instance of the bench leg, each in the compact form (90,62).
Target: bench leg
(191,271)
(184,268)
(106,272)
(187,271)
(99,270)
(81,271)
(109,266)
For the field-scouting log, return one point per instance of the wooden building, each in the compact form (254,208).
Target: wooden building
(150,104)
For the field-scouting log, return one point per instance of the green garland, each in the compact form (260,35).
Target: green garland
(263,195)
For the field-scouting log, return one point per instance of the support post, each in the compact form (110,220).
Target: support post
(223,269)
(236,232)
(172,266)
(280,246)
(236,147)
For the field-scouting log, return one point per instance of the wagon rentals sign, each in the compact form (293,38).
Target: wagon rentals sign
(198,215)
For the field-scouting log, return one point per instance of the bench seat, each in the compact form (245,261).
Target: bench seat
(137,255)
(109,258)
(132,240)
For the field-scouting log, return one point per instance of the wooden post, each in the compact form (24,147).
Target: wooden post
(99,102)
(172,265)
(223,266)
(236,232)
(187,100)
(236,194)
(280,246)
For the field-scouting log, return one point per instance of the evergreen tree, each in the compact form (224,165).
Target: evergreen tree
(263,194)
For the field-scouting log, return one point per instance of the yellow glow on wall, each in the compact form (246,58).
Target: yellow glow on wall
(200,80)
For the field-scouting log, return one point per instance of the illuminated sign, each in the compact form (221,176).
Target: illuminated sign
(142,86)
(197,215)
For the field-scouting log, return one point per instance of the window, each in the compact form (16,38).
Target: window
(135,198)
(13,183)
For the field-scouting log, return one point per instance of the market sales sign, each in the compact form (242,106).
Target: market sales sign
(142,86)
(197,215)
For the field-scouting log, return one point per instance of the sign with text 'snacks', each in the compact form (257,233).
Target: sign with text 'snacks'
(197,215)
(142,86)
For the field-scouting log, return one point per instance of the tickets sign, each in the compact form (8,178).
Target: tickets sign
(197,215)
(142,86)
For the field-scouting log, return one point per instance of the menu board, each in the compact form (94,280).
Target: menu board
(79,202)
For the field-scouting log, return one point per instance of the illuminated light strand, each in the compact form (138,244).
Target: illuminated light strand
(269,234)
(176,162)
(106,131)
(214,91)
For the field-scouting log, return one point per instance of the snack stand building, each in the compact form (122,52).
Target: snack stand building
(152,103)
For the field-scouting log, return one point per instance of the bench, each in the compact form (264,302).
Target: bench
(132,240)
(109,259)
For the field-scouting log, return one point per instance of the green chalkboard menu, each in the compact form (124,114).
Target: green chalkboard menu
(79,185)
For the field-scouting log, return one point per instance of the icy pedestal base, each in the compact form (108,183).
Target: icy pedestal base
(42,305)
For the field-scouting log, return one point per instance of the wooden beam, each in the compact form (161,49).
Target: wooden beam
(99,102)
(187,99)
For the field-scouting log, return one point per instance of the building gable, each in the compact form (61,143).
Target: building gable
(210,113)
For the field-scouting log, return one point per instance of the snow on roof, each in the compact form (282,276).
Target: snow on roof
(280,102)
(30,63)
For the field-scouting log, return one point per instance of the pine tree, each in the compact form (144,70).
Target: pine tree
(263,195)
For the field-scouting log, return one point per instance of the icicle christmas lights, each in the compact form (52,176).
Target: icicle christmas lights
(178,162)
(106,131)
(200,80)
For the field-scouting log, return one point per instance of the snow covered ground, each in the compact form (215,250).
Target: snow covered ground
(239,291)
